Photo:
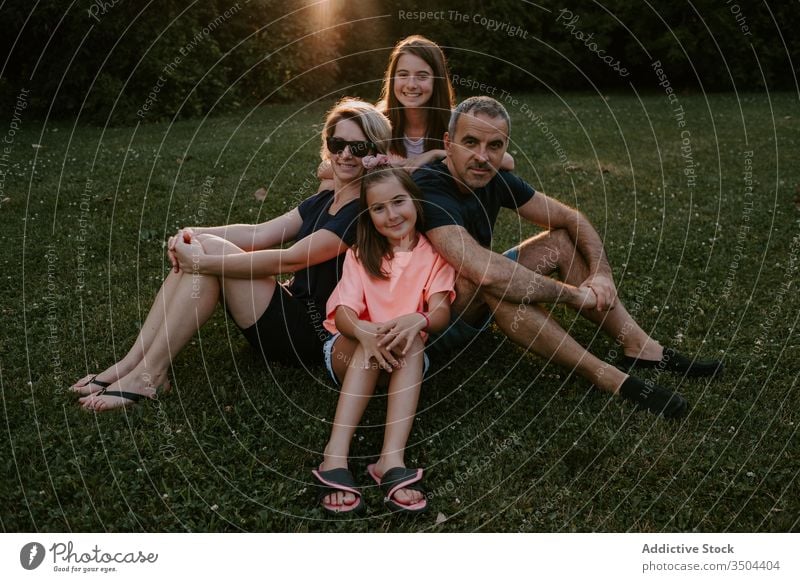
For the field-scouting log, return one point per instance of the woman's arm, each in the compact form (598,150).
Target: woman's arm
(314,249)
(253,237)
(311,250)
(248,237)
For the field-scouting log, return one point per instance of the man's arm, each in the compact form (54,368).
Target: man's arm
(499,276)
(552,214)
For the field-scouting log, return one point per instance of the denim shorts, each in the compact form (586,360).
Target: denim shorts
(327,350)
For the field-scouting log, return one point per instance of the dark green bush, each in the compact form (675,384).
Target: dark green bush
(166,59)
(124,62)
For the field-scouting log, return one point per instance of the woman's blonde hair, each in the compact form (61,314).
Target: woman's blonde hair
(371,121)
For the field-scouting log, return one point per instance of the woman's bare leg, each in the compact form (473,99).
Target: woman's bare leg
(193,301)
(150,328)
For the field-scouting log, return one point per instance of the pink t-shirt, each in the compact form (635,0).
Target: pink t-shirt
(414,276)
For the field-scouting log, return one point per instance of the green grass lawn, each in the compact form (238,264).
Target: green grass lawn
(510,443)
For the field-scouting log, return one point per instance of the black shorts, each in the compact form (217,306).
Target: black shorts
(290,330)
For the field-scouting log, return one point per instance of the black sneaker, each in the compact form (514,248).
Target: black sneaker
(673,361)
(652,397)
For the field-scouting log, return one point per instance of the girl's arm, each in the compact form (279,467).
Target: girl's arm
(410,165)
(311,250)
(507,162)
(365,333)
(325,170)
(325,175)
(400,332)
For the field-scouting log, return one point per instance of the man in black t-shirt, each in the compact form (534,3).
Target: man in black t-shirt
(463,196)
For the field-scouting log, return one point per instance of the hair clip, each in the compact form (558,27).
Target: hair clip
(371,162)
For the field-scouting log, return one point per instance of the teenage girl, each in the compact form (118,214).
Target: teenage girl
(394,289)
(417,97)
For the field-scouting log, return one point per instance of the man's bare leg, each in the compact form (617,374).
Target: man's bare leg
(531,326)
(554,251)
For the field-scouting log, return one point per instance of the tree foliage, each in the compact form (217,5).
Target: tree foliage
(129,61)
(123,61)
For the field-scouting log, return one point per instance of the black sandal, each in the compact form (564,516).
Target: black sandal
(133,397)
(335,481)
(398,478)
(92,380)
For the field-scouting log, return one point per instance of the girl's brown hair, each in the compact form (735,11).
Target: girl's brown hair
(372,246)
(438,107)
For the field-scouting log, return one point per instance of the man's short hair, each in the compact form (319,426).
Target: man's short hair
(475,105)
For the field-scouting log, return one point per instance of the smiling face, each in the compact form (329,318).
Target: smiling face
(346,166)
(476,149)
(393,212)
(413,81)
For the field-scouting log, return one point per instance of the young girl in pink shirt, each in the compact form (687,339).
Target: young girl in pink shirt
(394,288)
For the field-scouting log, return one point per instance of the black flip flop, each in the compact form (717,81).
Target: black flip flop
(398,478)
(132,396)
(335,481)
(92,380)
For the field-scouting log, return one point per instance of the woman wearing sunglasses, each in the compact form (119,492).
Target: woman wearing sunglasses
(237,265)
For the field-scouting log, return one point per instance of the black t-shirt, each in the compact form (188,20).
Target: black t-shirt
(445,205)
(316,283)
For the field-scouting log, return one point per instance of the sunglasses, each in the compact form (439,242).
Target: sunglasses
(359,149)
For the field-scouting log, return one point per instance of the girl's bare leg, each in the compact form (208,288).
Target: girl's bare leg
(357,388)
(404,389)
